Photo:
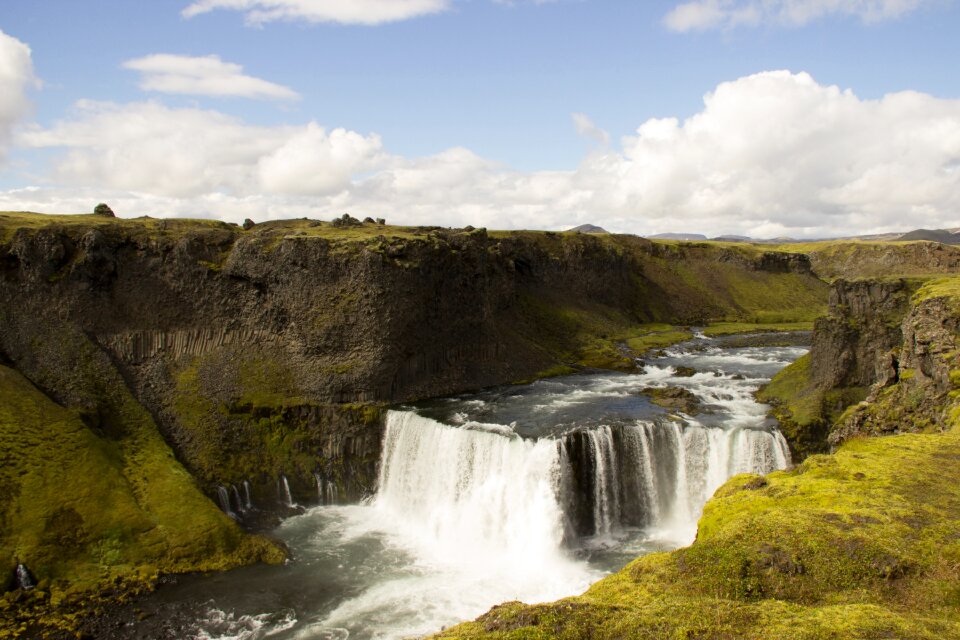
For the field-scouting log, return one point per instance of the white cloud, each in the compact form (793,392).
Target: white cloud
(586,128)
(203,76)
(312,162)
(368,12)
(700,15)
(147,147)
(769,154)
(16,77)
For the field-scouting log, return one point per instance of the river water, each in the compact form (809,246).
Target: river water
(527,492)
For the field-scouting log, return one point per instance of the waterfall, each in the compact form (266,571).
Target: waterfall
(236,501)
(283,489)
(326,490)
(482,485)
(223,497)
(247,502)
(468,488)
(24,580)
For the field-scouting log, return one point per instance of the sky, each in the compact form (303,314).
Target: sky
(764,118)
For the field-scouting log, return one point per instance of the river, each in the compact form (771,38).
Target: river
(527,492)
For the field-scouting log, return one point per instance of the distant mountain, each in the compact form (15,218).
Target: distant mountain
(732,238)
(936,235)
(589,228)
(679,236)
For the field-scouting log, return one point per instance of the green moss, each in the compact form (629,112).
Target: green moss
(552,372)
(798,404)
(947,288)
(860,544)
(657,339)
(793,388)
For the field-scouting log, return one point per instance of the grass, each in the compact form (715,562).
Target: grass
(656,336)
(731,328)
(860,544)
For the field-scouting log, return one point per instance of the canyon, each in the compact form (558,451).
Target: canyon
(150,367)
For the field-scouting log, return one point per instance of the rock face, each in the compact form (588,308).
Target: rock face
(854,344)
(912,394)
(880,362)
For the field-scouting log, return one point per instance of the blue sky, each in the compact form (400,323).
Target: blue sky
(463,112)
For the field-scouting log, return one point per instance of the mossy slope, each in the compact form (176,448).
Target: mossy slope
(859,544)
(82,510)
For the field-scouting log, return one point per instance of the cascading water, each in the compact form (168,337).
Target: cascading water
(283,489)
(223,497)
(491,492)
(247,502)
(326,490)
(238,506)
(484,487)
(522,493)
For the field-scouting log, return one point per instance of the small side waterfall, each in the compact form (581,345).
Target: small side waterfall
(283,490)
(24,579)
(327,492)
(223,497)
(238,505)
(651,474)
(247,502)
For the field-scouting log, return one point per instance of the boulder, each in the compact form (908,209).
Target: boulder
(103,210)
(675,398)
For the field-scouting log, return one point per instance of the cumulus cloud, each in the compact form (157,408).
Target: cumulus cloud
(16,77)
(700,15)
(312,162)
(203,76)
(770,154)
(148,147)
(368,12)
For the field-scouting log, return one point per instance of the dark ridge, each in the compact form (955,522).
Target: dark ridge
(935,235)
(589,228)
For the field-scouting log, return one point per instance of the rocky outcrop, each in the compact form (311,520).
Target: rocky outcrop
(880,362)
(878,260)
(916,396)
(853,344)
(676,398)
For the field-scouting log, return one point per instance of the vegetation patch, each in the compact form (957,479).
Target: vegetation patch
(732,328)
(656,336)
